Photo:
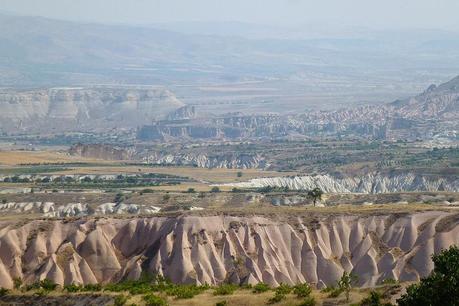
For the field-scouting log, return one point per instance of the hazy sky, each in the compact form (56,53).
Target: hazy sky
(441,14)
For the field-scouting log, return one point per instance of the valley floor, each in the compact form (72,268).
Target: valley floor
(240,297)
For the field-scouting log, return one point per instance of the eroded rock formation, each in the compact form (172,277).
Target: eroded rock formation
(368,183)
(83,109)
(214,249)
(432,113)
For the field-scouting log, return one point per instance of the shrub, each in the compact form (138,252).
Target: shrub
(142,286)
(119,197)
(389,281)
(3,291)
(277,298)
(154,300)
(239,174)
(92,287)
(246,286)
(309,301)
(374,299)
(33,286)
(72,288)
(302,290)
(17,283)
(441,286)
(48,285)
(120,300)
(328,289)
(221,303)
(140,289)
(225,289)
(191,190)
(215,189)
(261,287)
(283,289)
(184,291)
(335,292)
(41,292)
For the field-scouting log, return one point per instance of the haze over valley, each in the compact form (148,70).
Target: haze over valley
(229,153)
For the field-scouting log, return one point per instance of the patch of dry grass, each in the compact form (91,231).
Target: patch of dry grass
(14,158)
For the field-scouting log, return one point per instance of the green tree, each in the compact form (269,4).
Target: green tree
(345,283)
(215,189)
(315,194)
(441,287)
(119,197)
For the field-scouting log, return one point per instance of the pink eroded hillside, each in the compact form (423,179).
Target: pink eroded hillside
(214,249)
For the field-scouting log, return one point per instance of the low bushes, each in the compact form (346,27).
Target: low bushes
(3,291)
(284,289)
(278,296)
(225,289)
(302,290)
(154,300)
(120,300)
(185,291)
(72,288)
(83,288)
(46,285)
(261,287)
(154,290)
(309,301)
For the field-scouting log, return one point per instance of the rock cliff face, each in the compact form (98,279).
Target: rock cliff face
(160,116)
(214,249)
(185,112)
(227,160)
(435,112)
(232,160)
(84,108)
(369,183)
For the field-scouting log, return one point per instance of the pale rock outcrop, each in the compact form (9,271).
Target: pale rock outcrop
(369,183)
(52,210)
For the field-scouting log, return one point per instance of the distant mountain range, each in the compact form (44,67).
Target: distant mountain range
(36,51)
